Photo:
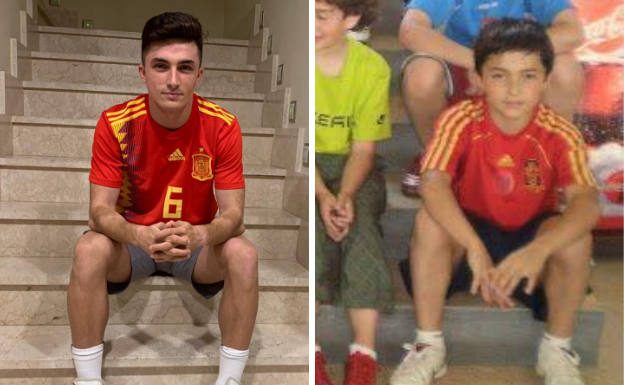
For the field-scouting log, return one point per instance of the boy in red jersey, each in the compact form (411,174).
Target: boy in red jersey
(156,160)
(491,173)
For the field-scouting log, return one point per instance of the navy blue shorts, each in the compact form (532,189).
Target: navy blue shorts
(499,244)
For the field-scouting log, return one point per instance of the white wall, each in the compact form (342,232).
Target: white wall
(288,23)
(9,28)
(131,15)
(239,18)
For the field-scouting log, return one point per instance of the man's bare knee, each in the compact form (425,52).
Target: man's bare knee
(241,260)
(423,79)
(92,255)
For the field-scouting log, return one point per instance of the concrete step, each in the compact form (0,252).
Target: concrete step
(34,291)
(475,334)
(163,376)
(73,138)
(87,101)
(135,348)
(51,229)
(399,151)
(120,71)
(125,44)
(52,179)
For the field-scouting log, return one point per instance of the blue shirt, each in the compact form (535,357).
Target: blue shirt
(461,20)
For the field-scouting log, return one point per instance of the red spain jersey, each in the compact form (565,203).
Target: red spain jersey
(162,174)
(506,179)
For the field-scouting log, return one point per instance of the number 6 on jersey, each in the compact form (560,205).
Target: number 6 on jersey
(176,203)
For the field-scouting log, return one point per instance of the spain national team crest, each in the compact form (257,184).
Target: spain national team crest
(202,166)
(532,176)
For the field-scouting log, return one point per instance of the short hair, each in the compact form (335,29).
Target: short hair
(505,35)
(172,26)
(365,9)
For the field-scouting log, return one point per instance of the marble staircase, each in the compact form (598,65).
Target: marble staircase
(160,331)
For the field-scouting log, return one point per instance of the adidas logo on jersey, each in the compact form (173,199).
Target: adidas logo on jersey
(176,155)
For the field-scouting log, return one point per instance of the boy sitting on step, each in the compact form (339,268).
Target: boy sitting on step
(489,220)
(351,115)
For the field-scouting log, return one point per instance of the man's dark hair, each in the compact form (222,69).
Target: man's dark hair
(505,35)
(171,25)
(366,9)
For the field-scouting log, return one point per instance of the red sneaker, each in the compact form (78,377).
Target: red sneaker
(410,182)
(320,374)
(361,370)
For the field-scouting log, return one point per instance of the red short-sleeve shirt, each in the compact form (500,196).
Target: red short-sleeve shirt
(167,175)
(506,179)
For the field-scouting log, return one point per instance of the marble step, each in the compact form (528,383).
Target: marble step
(34,292)
(87,101)
(475,334)
(120,71)
(131,349)
(72,138)
(125,44)
(51,229)
(52,179)
(164,376)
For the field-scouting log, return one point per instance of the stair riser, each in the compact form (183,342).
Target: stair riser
(279,378)
(127,75)
(58,240)
(147,346)
(87,105)
(474,336)
(142,306)
(71,142)
(131,48)
(73,187)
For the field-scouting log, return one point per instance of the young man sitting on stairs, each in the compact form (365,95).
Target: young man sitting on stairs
(489,222)
(156,160)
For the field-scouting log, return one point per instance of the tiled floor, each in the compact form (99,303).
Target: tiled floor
(607,283)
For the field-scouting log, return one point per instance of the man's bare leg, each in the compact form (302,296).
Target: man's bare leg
(96,259)
(235,262)
(424,94)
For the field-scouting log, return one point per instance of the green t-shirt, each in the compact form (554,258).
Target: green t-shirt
(353,105)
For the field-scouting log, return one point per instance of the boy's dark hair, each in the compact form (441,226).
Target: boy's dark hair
(366,9)
(172,25)
(505,35)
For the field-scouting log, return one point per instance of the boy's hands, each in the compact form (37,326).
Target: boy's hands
(526,262)
(480,264)
(337,214)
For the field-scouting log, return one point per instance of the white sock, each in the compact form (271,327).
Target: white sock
(430,337)
(231,364)
(88,362)
(362,349)
(558,341)
(317,347)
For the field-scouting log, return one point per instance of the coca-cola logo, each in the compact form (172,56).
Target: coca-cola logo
(606,35)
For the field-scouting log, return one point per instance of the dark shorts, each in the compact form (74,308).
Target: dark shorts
(499,244)
(143,266)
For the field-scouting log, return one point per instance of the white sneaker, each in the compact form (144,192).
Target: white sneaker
(231,381)
(88,381)
(421,365)
(558,366)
